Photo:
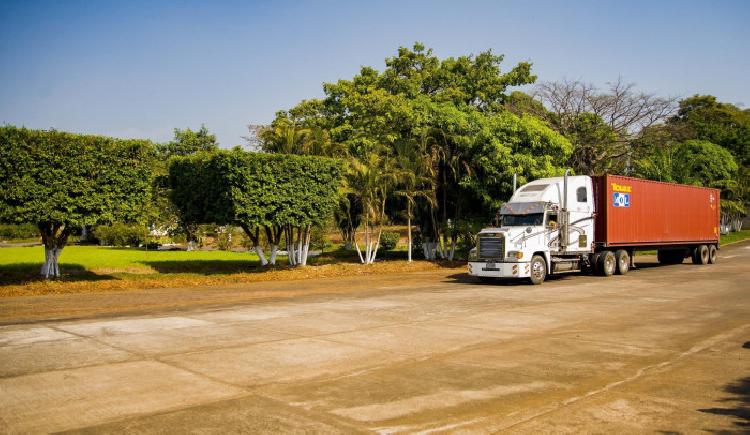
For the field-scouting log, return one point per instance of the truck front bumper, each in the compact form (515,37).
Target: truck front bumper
(500,270)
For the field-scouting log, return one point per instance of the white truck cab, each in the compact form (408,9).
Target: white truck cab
(546,227)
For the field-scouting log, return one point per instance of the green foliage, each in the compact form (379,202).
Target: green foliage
(120,234)
(703,163)
(319,239)
(188,142)
(433,131)
(251,189)
(18,231)
(720,123)
(76,180)
(389,240)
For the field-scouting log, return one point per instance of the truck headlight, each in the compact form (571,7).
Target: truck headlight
(473,256)
(515,255)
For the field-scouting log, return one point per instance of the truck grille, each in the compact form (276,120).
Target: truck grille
(491,247)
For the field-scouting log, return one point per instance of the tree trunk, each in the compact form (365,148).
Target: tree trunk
(272,258)
(291,255)
(306,248)
(261,255)
(54,238)
(408,229)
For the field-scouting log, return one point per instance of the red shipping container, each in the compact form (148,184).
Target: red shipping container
(635,212)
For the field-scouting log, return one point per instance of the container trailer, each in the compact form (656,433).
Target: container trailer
(582,223)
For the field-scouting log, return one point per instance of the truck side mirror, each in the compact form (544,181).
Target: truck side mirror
(529,230)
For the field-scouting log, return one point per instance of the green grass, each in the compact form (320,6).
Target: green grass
(20,264)
(735,237)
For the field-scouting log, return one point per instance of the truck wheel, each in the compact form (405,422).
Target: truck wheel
(712,254)
(606,265)
(593,263)
(622,259)
(538,270)
(700,254)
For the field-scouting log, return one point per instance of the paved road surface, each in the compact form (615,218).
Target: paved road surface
(659,349)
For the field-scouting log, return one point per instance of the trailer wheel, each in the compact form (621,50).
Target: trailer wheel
(712,254)
(623,261)
(606,265)
(700,254)
(538,270)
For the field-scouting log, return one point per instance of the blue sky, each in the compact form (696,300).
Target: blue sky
(142,68)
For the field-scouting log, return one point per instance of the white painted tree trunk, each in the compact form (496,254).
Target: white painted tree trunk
(408,229)
(51,267)
(272,258)
(191,245)
(359,252)
(261,255)
(452,251)
(291,253)
(306,247)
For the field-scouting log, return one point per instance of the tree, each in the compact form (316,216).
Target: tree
(602,124)
(412,178)
(704,163)
(724,124)
(188,142)
(62,181)
(273,193)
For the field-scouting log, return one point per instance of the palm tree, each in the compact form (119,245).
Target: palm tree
(411,169)
(369,178)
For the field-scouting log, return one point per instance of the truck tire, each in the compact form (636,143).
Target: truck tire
(538,270)
(623,261)
(670,256)
(700,254)
(712,254)
(606,265)
(593,263)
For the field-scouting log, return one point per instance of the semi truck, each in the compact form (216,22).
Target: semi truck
(596,224)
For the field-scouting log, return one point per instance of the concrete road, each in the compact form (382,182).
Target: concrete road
(661,349)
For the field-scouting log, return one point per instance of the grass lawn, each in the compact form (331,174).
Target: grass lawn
(108,260)
(735,237)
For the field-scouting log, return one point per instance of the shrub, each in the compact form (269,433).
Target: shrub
(22,231)
(120,234)
(319,239)
(389,240)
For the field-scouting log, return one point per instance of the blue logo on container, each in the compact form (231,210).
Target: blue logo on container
(620,199)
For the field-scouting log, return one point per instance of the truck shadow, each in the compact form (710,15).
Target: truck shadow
(465,278)
(738,403)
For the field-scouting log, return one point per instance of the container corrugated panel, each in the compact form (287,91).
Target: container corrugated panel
(636,212)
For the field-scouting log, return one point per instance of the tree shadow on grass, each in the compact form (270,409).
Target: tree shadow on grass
(209,267)
(23,273)
(738,403)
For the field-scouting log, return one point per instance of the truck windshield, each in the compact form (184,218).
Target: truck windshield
(523,220)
